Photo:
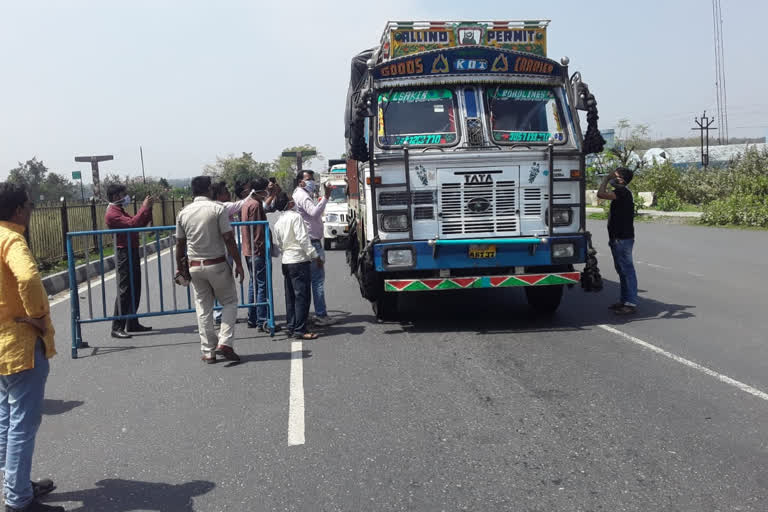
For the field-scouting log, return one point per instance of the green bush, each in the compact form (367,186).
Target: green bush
(669,202)
(659,179)
(744,210)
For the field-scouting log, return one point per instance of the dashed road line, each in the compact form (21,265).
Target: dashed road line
(296,400)
(703,369)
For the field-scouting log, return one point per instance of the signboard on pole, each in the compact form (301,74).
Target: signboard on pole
(76,175)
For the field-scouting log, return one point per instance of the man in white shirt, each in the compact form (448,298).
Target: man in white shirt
(204,234)
(292,239)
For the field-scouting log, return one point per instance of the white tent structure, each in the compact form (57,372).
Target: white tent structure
(691,156)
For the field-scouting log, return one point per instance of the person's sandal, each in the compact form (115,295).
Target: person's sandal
(625,310)
(307,336)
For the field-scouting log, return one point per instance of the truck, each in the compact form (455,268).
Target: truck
(335,219)
(466,164)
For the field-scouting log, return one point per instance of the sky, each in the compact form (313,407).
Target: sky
(191,81)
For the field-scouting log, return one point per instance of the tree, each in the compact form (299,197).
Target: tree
(240,169)
(34,175)
(137,188)
(285,166)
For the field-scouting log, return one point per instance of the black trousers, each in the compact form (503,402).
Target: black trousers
(123,303)
(298,289)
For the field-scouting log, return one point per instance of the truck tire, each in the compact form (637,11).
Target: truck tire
(544,299)
(385,307)
(327,244)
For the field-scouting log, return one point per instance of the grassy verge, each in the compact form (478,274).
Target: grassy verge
(687,221)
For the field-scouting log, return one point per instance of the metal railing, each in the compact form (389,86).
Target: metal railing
(49,225)
(163,243)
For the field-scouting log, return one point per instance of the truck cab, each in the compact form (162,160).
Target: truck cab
(467,163)
(336,217)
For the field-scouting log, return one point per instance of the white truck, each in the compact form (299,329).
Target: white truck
(335,220)
(466,164)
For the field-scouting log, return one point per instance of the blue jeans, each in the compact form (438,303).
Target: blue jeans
(21,410)
(317,275)
(621,249)
(257,314)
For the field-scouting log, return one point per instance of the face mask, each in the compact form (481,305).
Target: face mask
(126,201)
(310,186)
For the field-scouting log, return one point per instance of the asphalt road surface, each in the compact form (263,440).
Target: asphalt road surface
(468,403)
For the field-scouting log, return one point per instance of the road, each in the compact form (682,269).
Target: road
(468,403)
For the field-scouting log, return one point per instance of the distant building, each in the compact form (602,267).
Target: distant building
(691,156)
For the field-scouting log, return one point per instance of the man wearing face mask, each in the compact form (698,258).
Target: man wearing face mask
(117,218)
(621,236)
(312,214)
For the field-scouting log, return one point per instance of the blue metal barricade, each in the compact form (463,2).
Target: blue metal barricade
(164,237)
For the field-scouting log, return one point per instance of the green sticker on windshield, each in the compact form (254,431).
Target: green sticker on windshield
(417,96)
(522,94)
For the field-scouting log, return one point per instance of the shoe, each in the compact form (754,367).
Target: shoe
(139,328)
(227,353)
(121,334)
(616,306)
(35,506)
(209,359)
(324,321)
(264,327)
(253,326)
(625,310)
(42,487)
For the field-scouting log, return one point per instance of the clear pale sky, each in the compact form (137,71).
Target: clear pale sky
(190,80)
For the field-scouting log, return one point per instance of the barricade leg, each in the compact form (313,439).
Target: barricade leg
(74,300)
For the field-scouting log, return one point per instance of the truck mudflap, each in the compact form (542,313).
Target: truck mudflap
(470,282)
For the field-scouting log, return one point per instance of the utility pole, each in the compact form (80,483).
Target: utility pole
(94,160)
(299,157)
(704,125)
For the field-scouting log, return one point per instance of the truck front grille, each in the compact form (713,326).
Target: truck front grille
(472,208)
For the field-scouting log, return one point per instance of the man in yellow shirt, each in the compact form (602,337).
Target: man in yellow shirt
(26,344)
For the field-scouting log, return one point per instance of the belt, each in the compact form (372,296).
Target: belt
(212,261)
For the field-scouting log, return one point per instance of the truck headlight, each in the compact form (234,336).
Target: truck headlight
(394,222)
(560,216)
(399,258)
(561,251)
(331,217)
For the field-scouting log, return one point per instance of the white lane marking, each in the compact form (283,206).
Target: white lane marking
(659,266)
(96,281)
(296,400)
(719,376)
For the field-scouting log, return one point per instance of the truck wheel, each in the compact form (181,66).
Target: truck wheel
(327,244)
(544,299)
(385,307)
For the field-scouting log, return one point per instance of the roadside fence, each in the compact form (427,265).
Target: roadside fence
(167,298)
(50,223)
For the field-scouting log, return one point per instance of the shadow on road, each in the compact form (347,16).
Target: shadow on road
(271,356)
(53,407)
(103,351)
(117,495)
(506,310)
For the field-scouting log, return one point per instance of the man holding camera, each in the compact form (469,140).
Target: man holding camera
(621,236)
(128,258)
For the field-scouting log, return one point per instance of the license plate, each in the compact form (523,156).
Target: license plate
(482,251)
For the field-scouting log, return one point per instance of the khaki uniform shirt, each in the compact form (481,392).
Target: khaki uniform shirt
(203,223)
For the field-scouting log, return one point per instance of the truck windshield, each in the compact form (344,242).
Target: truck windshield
(338,194)
(417,117)
(524,115)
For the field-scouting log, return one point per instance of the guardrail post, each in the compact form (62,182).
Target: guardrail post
(64,222)
(182,201)
(162,207)
(173,208)
(94,221)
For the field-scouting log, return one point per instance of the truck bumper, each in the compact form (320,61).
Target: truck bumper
(473,282)
(427,257)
